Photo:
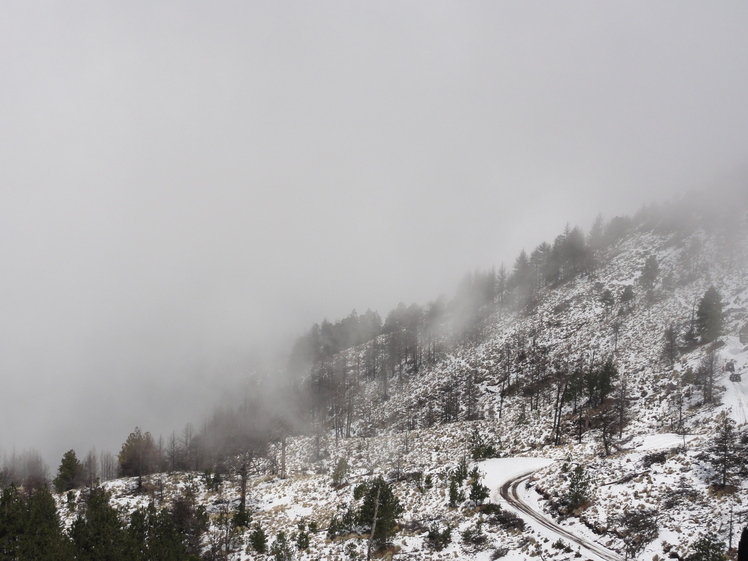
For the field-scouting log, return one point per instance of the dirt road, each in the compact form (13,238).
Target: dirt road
(509,491)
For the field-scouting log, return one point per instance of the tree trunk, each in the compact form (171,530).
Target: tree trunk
(373,524)
(283,457)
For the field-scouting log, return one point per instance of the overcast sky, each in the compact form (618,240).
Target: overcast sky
(184,182)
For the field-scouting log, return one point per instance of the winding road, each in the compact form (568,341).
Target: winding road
(509,491)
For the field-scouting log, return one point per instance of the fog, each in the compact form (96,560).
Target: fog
(186,186)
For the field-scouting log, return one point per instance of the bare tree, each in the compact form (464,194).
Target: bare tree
(90,468)
(27,470)
(173,452)
(107,466)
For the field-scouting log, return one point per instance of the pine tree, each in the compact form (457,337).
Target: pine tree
(708,548)
(340,475)
(281,549)
(637,527)
(153,536)
(69,474)
(12,522)
(42,537)
(478,491)
(378,498)
(709,317)
(191,520)
(456,496)
(725,454)
(98,532)
(706,376)
(649,273)
(578,492)
(258,539)
(138,456)
(302,536)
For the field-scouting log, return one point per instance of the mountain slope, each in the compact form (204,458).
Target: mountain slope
(532,383)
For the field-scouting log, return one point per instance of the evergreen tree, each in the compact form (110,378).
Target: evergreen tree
(302,536)
(725,452)
(637,527)
(153,536)
(439,539)
(599,382)
(456,495)
(12,522)
(281,549)
(258,539)
(69,474)
(30,527)
(709,318)
(607,299)
(649,273)
(478,491)
(578,492)
(191,520)
(708,548)
(98,534)
(138,456)
(706,376)
(340,475)
(378,498)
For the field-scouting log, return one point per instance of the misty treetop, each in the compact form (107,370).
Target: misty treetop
(409,337)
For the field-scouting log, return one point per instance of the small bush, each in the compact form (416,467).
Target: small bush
(654,458)
(474,538)
(499,552)
(258,539)
(482,448)
(241,518)
(439,539)
(302,537)
(340,474)
(281,549)
(497,516)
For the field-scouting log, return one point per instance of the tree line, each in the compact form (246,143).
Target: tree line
(31,528)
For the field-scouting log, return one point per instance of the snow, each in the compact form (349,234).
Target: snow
(660,441)
(735,397)
(498,471)
(572,326)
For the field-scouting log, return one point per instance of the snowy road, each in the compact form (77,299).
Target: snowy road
(736,396)
(507,476)
(510,493)
(740,396)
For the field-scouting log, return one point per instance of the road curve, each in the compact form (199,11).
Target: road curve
(509,492)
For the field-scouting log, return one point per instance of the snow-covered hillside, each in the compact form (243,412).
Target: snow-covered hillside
(642,448)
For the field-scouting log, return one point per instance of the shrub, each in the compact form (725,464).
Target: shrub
(258,539)
(340,474)
(439,539)
(497,516)
(654,458)
(482,448)
(707,548)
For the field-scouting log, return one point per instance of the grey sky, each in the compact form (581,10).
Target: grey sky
(184,182)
